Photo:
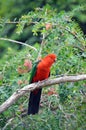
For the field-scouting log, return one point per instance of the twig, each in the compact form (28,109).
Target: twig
(14,41)
(16,95)
(8,123)
(42,44)
(82,49)
(12,22)
(73,35)
(17,22)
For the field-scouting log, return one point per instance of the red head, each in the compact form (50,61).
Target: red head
(51,56)
(49,59)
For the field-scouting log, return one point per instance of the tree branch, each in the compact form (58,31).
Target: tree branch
(18,42)
(16,95)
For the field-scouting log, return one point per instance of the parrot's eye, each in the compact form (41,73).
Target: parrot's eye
(55,60)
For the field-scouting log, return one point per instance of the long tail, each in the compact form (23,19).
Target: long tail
(34,100)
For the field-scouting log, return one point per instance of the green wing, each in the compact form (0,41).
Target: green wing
(33,72)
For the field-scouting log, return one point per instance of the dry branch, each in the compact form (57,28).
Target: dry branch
(16,95)
(18,42)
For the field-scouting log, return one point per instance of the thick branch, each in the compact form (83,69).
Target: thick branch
(16,95)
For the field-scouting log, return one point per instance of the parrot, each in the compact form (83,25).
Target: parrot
(40,71)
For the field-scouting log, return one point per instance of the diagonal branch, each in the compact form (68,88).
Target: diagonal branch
(14,41)
(19,93)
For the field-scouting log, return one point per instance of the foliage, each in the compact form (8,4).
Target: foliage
(11,11)
(58,33)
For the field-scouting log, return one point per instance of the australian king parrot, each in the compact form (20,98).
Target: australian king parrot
(40,71)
